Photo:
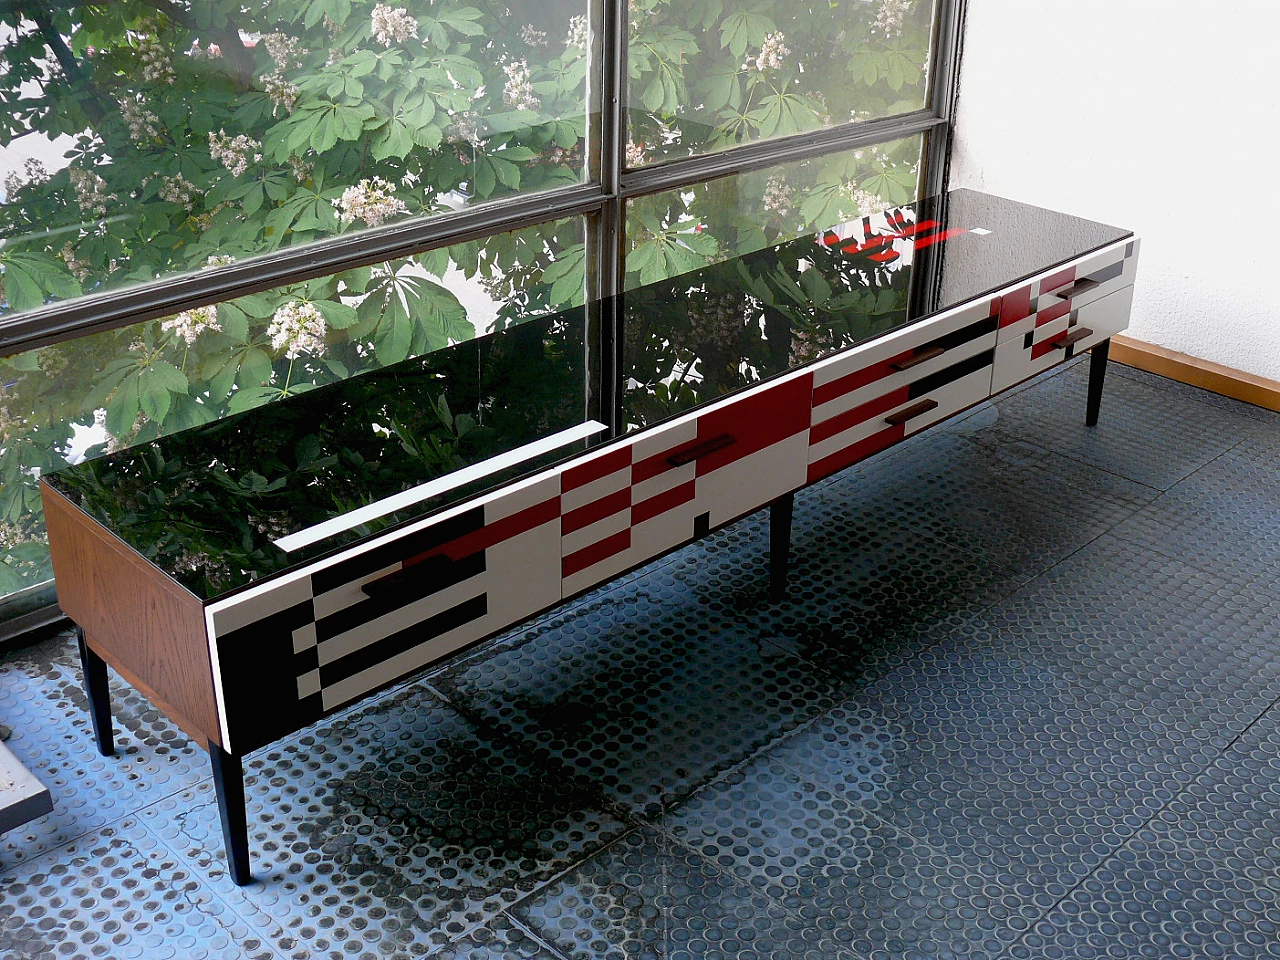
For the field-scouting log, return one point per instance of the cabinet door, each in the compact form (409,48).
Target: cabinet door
(1066,335)
(1055,293)
(295,648)
(678,481)
(874,396)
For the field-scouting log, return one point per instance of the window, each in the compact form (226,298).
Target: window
(208,206)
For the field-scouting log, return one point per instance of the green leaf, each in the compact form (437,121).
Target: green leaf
(567,275)
(336,314)
(393,139)
(248,398)
(742,29)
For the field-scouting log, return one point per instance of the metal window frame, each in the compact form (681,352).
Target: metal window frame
(602,202)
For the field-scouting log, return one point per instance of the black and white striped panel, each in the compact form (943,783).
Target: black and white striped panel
(304,646)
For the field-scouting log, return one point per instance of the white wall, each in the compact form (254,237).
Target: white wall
(1154,115)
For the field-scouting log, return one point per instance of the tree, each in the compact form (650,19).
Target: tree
(208,131)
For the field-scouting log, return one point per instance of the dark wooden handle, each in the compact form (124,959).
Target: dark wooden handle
(1078,333)
(907,413)
(397,579)
(1083,285)
(918,358)
(690,454)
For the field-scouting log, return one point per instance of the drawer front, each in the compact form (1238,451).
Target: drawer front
(298,647)
(1051,343)
(868,400)
(646,496)
(1054,294)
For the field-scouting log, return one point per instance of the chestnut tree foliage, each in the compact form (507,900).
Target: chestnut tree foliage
(200,132)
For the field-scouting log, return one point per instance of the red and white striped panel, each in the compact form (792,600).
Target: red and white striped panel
(855,392)
(1039,302)
(636,501)
(1016,360)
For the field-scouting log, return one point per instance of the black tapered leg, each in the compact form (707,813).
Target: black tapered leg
(1097,374)
(779,545)
(228,780)
(94,669)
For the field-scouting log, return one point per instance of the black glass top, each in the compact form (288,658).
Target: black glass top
(223,505)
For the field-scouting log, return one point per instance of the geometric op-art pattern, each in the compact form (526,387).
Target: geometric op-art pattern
(675,483)
(344,627)
(356,623)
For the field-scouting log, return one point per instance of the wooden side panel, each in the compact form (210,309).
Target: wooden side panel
(139,620)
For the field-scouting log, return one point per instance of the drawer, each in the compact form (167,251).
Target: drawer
(1061,338)
(837,443)
(295,648)
(636,501)
(868,399)
(1054,294)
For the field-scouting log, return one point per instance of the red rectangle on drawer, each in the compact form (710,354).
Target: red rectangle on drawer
(593,554)
(858,451)
(574,477)
(1059,279)
(662,502)
(851,418)
(589,513)
(756,421)
(1015,306)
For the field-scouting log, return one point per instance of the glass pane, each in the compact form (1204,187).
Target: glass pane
(140,140)
(676,231)
(112,390)
(706,75)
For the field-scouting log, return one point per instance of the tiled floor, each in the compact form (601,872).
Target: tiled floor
(1020,703)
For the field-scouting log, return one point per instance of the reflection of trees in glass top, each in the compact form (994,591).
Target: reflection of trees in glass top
(207,505)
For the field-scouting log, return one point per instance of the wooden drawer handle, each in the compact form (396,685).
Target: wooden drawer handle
(918,358)
(690,454)
(1083,285)
(907,413)
(397,579)
(1079,333)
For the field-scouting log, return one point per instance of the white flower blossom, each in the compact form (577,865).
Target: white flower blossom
(300,169)
(219,260)
(78,268)
(772,51)
(283,50)
(189,324)
(867,203)
(156,66)
(468,124)
(179,190)
(518,91)
(297,328)
(635,153)
(234,153)
(281,92)
(91,192)
(578,32)
(142,122)
(370,201)
(779,197)
(393,25)
(533,36)
(889,19)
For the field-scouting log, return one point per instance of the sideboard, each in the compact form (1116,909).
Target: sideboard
(253,575)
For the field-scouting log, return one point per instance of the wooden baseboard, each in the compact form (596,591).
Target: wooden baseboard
(1213,377)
